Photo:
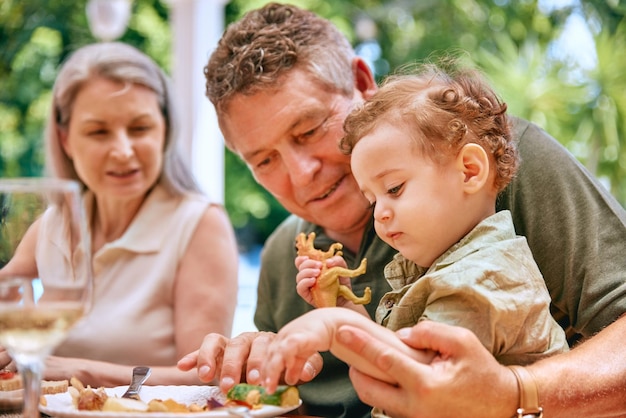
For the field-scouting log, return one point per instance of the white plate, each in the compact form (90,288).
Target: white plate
(60,405)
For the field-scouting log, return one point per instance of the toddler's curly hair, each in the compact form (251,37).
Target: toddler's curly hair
(444,110)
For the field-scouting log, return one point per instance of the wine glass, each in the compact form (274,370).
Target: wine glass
(45,273)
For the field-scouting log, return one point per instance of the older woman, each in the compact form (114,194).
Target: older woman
(164,256)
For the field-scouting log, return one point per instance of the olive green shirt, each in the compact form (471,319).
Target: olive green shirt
(487,282)
(575,229)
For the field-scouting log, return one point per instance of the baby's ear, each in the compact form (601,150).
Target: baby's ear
(474,162)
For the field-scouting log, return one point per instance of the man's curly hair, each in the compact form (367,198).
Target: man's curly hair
(266,43)
(444,110)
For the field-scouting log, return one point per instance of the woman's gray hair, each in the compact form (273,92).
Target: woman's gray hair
(126,64)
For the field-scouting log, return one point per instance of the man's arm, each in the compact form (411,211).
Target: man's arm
(589,381)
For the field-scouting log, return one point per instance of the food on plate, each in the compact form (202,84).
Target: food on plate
(50,387)
(251,396)
(327,287)
(170,405)
(10,381)
(13,381)
(114,404)
(89,399)
(254,395)
(86,398)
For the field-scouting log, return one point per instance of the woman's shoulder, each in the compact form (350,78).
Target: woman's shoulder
(182,212)
(206,213)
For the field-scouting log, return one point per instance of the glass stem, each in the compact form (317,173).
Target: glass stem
(32,372)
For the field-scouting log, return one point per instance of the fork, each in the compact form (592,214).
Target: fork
(140,374)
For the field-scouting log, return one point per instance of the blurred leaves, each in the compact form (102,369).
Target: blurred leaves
(518,45)
(36,37)
(252,210)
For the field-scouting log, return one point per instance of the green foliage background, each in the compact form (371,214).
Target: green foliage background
(512,41)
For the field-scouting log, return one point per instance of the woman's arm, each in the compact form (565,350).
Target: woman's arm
(99,373)
(206,284)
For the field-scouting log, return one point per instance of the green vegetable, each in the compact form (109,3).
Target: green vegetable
(285,396)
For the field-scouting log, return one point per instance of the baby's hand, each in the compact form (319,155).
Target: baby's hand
(307,276)
(294,346)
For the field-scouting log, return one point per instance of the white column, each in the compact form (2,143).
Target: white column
(197,25)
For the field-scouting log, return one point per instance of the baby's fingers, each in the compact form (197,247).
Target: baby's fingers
(336,261)
(299,260)
(308,273)
(304,285)
(272,371)
(303,262)
(295,368)
(303,288)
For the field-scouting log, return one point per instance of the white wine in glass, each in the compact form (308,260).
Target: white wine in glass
(45,273)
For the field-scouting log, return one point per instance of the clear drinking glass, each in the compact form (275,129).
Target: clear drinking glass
(45,273)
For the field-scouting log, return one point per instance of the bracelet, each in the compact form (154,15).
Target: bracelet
(528,398)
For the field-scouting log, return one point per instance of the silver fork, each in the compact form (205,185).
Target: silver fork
(140,374)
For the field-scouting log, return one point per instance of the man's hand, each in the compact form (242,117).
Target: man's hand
(461,373)
(237,359)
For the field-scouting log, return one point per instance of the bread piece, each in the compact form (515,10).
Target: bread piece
(48,387)
(12,383)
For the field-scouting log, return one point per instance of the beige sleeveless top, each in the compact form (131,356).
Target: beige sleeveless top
(132,318)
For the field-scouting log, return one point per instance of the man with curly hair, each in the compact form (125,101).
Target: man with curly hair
(282,81)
